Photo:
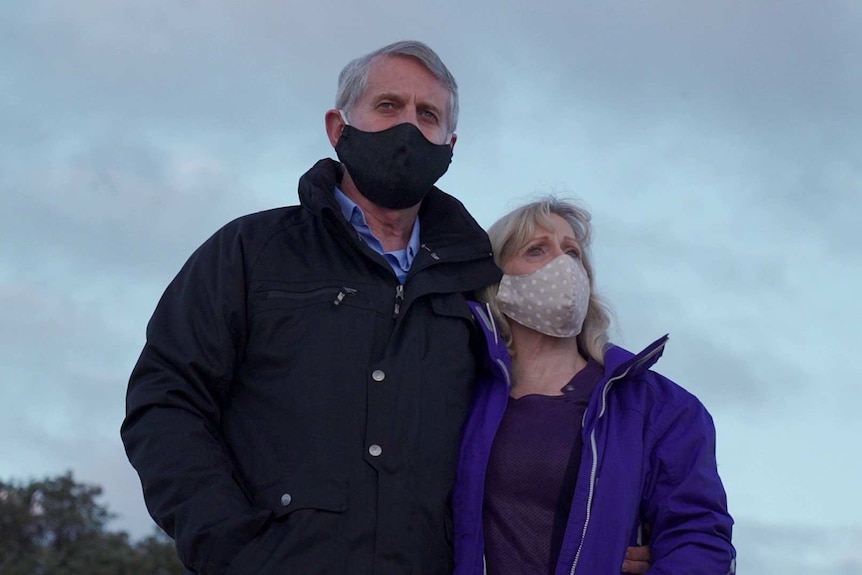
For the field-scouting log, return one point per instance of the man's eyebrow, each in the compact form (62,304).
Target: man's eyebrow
(388,95)
(430,106)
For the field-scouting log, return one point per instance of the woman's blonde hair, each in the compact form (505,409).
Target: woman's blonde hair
(511,232)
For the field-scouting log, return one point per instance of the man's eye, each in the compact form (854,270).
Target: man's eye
(430,115)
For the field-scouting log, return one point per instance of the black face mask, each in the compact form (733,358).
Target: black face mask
(394,168)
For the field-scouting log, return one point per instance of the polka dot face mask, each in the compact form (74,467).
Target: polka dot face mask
(552,300)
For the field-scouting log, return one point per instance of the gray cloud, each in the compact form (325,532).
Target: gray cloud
(716,143)
(117,207)
(776,549)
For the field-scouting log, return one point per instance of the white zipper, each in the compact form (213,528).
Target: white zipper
(594,449)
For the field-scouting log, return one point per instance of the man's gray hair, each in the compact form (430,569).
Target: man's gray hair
(353,79)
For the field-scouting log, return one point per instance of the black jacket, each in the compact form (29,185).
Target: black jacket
(293,411)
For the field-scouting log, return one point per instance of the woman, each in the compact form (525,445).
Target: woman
(573,445)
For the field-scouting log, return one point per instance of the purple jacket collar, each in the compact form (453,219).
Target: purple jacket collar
(618,361)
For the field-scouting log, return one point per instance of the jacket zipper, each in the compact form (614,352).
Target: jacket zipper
(430,252)
(345,291)
(399,298)
(594,450)
(285,294)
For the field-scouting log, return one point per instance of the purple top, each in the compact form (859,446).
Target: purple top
(531,476)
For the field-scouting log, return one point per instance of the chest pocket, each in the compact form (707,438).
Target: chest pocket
(305,338)
(271,296)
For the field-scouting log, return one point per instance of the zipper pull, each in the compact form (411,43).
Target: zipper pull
(432,254)
(399,297)
(345,291)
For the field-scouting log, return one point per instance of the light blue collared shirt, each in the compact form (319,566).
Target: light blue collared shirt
(400,260)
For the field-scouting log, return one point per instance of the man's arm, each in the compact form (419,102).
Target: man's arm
(174,404)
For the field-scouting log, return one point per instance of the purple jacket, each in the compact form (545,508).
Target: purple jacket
(649,457)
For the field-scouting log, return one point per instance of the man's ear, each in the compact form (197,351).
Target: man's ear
(334,126)
(452,141)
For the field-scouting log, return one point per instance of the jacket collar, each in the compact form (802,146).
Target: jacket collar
(497,359)
(448,229)
(618,361)
(317,187)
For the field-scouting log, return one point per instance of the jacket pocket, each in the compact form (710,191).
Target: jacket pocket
(305,533)
(303,492)
(271,295)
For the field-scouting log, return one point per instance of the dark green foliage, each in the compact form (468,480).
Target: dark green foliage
(56,527)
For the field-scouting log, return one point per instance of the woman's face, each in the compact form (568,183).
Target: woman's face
(545,245)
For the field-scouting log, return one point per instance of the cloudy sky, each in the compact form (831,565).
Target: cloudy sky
(718,145)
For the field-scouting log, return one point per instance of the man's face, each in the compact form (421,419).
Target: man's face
(399,90)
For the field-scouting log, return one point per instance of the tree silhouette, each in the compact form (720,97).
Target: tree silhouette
(56,526)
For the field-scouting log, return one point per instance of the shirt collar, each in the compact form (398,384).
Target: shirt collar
(354,214)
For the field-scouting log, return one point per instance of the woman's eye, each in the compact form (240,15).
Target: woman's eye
(574,253)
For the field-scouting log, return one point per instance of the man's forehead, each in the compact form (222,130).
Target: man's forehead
(385,61)
(389,73)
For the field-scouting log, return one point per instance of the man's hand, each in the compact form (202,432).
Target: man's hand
(637,560)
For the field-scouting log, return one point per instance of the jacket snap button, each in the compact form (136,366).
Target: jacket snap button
(378,375)
(285,499)
(375,450)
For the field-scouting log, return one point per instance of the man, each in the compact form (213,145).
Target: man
(298,404)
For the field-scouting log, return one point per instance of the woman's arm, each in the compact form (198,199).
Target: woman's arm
(685,501)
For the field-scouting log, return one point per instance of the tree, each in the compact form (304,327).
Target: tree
(56,526)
